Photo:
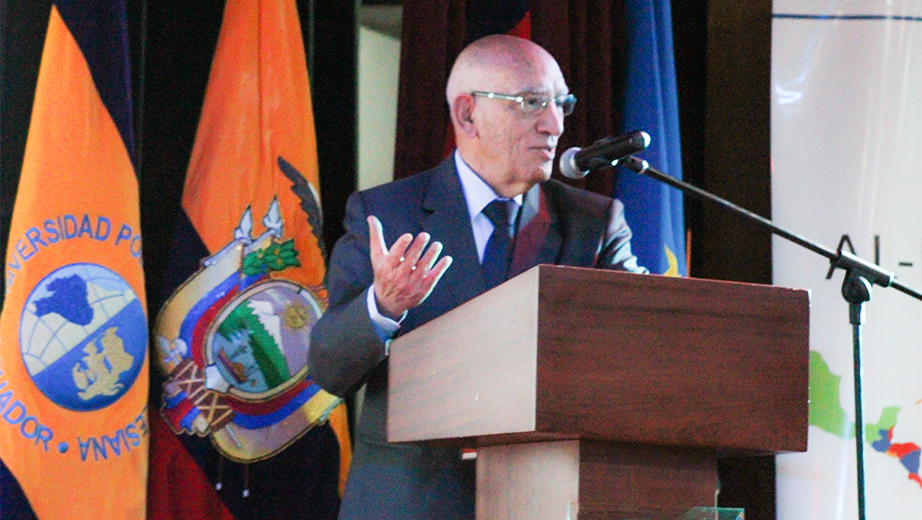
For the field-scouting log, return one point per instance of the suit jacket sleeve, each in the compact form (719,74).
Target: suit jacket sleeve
(615,246)
(344,347)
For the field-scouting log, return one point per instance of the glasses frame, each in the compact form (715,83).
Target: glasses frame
(563,102)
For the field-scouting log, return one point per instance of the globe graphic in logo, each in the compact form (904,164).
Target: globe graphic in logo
(83,336)
(260,341)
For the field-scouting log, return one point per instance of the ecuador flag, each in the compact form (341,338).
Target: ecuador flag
(241,430)
(73,357)
(655,210)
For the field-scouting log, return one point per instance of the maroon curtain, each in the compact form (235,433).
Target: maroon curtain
(586,37)
(433,34)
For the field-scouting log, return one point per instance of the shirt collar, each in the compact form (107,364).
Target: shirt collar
(477,193)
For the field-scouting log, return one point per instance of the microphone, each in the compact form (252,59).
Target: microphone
(575,163)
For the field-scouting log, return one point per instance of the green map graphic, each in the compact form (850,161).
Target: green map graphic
(827,414)
(825,408)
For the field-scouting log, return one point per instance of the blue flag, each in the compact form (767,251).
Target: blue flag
(654,210)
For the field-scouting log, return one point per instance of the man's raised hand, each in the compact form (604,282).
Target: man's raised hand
(404,274)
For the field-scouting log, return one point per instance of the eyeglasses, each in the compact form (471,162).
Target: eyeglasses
(534,104)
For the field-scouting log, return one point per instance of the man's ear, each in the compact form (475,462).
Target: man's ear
(462,112)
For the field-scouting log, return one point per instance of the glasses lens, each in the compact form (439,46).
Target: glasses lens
(566,103)
(533,104)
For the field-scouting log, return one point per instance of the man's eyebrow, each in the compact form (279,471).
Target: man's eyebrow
(542,92)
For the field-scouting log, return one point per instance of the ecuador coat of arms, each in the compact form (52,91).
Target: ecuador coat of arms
(233,341)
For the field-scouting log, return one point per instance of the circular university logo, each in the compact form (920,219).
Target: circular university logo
(83,336)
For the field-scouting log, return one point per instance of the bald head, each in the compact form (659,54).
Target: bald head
(483,64)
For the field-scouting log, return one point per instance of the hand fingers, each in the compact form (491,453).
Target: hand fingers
(397,253)
(378,247)
(407,259)
(405,274)
(433,276)
(432,254)
(376,238)
(412,254)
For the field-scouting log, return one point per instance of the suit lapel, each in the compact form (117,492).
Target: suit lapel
(539,239)
(448,222)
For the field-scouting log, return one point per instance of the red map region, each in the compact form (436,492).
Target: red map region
(908,453)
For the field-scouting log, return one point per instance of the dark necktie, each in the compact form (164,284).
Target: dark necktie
(499,247)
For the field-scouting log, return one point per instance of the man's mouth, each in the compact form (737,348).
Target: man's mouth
(548,151)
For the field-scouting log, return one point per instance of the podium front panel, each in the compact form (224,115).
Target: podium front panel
(566,353)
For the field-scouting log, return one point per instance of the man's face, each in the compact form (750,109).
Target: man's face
(518,149)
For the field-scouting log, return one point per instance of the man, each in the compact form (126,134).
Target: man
(507,99)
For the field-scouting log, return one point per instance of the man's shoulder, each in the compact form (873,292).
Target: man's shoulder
(409,188)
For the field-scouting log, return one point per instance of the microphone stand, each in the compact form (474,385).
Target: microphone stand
(860,275)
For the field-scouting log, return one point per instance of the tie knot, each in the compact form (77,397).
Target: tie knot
(498,213)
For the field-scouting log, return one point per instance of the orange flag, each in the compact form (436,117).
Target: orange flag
(232,340)
(73,357)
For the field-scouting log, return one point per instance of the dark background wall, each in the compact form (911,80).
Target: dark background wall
(723,64)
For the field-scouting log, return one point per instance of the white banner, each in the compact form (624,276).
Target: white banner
(847,159)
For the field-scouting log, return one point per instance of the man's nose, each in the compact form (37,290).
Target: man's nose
(551,120)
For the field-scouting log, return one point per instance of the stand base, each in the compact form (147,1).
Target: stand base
(589,480)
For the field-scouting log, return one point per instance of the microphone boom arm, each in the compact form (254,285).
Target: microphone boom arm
(852,264)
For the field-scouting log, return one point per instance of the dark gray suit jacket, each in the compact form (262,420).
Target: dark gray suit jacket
(558,225)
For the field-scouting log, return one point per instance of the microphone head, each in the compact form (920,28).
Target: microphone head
(568,167)
(645,137)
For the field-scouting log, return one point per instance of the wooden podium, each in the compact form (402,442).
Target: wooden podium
(607,393)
